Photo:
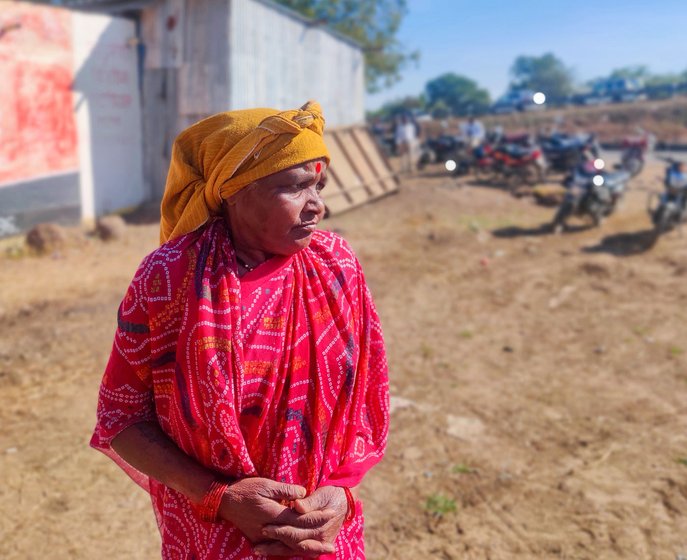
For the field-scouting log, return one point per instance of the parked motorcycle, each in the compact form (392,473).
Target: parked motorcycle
(441,149)
(634,150)
(478,161)
(592,192)
(563,152)
(671,210)
(519,165)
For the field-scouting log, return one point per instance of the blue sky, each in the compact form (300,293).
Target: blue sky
(481,38)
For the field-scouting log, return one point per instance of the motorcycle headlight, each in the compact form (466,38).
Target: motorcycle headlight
(598,180)
(599,164)
(450,165)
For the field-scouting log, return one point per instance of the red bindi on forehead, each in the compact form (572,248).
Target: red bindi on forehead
(318,167)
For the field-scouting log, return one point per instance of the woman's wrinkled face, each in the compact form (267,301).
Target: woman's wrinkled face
(278,214)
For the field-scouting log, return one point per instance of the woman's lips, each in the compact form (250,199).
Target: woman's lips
(304,230)
(308,226)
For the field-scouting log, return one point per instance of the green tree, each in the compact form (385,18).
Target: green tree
(662,79)
(440,110)
(544,73)
(371,23)
(457,93)
(641,72)
(658,86)
(637,72)
(397,106)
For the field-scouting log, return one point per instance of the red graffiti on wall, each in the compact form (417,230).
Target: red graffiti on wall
(37,125)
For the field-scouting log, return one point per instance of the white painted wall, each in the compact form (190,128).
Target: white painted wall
(207,56)
(108,112)
(279,61)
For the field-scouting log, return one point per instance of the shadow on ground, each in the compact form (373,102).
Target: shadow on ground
(543,229)
(625,244)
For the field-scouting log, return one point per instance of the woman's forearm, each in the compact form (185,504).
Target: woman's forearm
(148,449)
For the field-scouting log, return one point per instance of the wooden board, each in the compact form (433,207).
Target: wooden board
(358,173)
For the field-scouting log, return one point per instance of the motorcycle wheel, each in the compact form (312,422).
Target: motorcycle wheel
(426,158)
(531,174)
(633,165)
(560,220)
(462,169)
(483,173)
(513,180)
(663,221)
(597,218)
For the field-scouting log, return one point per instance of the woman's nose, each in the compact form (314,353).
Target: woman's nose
(315,203)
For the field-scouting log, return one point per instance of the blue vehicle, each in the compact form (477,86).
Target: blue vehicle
(591,193)
(612,90)
(672,203)
(515,100)
(620,90)
(564,152)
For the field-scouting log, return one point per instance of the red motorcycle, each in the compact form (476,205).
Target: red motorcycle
(634,150)
(483,161)
(519,165)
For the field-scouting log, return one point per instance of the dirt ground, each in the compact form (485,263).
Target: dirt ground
(539,385)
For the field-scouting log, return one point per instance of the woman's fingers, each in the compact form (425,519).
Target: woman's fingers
(314,519)
(316,500)
(275,548)
(290,535)
(325,497)
(282,491)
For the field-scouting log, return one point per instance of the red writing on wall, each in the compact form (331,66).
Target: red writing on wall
(37,125)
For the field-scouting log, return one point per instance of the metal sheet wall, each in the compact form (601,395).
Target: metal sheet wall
(276,60)
(206,56)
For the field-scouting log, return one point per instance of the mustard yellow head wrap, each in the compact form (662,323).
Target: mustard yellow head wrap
(218,156)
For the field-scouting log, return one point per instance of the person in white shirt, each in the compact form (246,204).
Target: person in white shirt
(474,132)
(405,136)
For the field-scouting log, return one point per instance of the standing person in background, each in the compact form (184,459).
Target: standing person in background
(474,132)
(406,134)
(247,387)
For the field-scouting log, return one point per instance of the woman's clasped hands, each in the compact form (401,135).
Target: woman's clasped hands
(307,528)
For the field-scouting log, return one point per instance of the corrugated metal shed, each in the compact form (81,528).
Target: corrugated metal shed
(206,56)
(70,140)
(200,57)
(281,61)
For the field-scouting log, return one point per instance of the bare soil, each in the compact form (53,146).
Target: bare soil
(539,385)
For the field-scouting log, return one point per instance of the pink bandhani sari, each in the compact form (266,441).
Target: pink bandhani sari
(279,374)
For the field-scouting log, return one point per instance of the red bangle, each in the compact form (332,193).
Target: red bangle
(350,513)
(209,507)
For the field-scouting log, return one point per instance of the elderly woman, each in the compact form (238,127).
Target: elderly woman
(247,387)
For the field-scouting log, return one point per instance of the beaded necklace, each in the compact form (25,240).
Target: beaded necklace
(244,264)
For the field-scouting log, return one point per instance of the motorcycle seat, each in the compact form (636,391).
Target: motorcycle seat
(567,144)
(517,151)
